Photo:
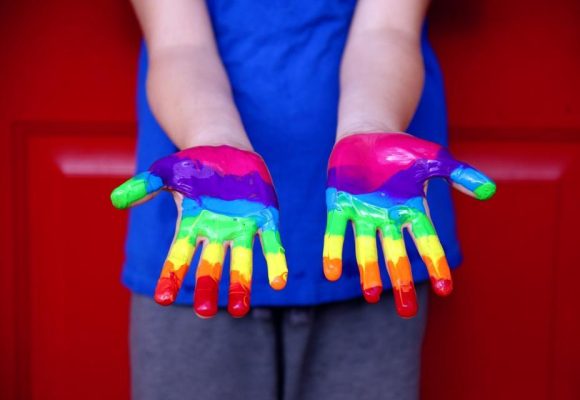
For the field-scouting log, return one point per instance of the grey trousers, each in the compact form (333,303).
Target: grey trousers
(348,350)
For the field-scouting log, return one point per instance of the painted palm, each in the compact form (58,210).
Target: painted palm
(378,182)
(225,197)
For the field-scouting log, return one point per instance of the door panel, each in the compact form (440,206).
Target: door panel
(497,335)
(73,327)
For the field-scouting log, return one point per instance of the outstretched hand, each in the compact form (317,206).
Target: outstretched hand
(225,196)
(378,181)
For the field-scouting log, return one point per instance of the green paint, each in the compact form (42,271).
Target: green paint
(362,227)
(335,223)
(222,228)
(421,225)
(367,218)
(485,191)
(271,242)
(129,192)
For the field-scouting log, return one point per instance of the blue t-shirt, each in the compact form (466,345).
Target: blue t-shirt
(283,59)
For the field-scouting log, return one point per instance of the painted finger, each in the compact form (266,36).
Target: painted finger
(240,277)
(471,181)
(275,258)
(136,190)
(399,269)
(367,261)
(177,262)
(207,277)
(333,243)
(431,251)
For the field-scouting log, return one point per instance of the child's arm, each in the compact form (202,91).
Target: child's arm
(378,176)
(382,68)
(187,86)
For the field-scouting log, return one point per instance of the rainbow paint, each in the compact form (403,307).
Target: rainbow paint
(378,181)
(226,198)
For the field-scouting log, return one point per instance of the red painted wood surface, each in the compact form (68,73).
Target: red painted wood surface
(66,137)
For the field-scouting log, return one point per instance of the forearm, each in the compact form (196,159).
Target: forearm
(187,86)
(191,98)
(382,72)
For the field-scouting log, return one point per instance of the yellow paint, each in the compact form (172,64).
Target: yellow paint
(213,253)
(365,249)
(394,249)
(333,246)
(277,268)
(430,246)
(367,260)
(180,253)
(241,261)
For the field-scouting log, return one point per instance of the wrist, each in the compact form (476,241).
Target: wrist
(216,139)
(367,129)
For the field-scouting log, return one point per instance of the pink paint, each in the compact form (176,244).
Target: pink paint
(228,160)
(382,154)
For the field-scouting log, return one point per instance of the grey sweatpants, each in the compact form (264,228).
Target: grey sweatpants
(348,350)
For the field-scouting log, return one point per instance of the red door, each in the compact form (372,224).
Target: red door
(511,328)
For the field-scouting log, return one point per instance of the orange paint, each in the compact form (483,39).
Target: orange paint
(371,281)
(279,282)
(332,268)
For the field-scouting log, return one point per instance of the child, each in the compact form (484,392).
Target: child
(230,81)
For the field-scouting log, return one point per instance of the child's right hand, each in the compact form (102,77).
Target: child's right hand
(225,196)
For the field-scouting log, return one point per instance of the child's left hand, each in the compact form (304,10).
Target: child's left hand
(379,181)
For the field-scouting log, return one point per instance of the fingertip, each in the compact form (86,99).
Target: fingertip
(239,300)
(373,295)
(238,308)
(442,287)
(485,191)
(406,301)
(279,282)
(166,290)
(205,297)
(119,198)
(332,268)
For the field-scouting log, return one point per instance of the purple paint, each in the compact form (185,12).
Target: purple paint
(395,164)
(193,179)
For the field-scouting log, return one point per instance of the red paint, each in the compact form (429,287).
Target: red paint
(205,298)
(167,288)
(406,300)
(442,287)
(239,300)
(373,294)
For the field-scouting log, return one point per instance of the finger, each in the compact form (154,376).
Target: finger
(473,182)
(431,251)
(399,269)
(207,277)
(275,258)
(367,261)
(177,262)
(240,277)
(333,243)
(136,190)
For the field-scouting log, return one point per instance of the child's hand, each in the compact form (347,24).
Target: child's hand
(225,197)
(378,181)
